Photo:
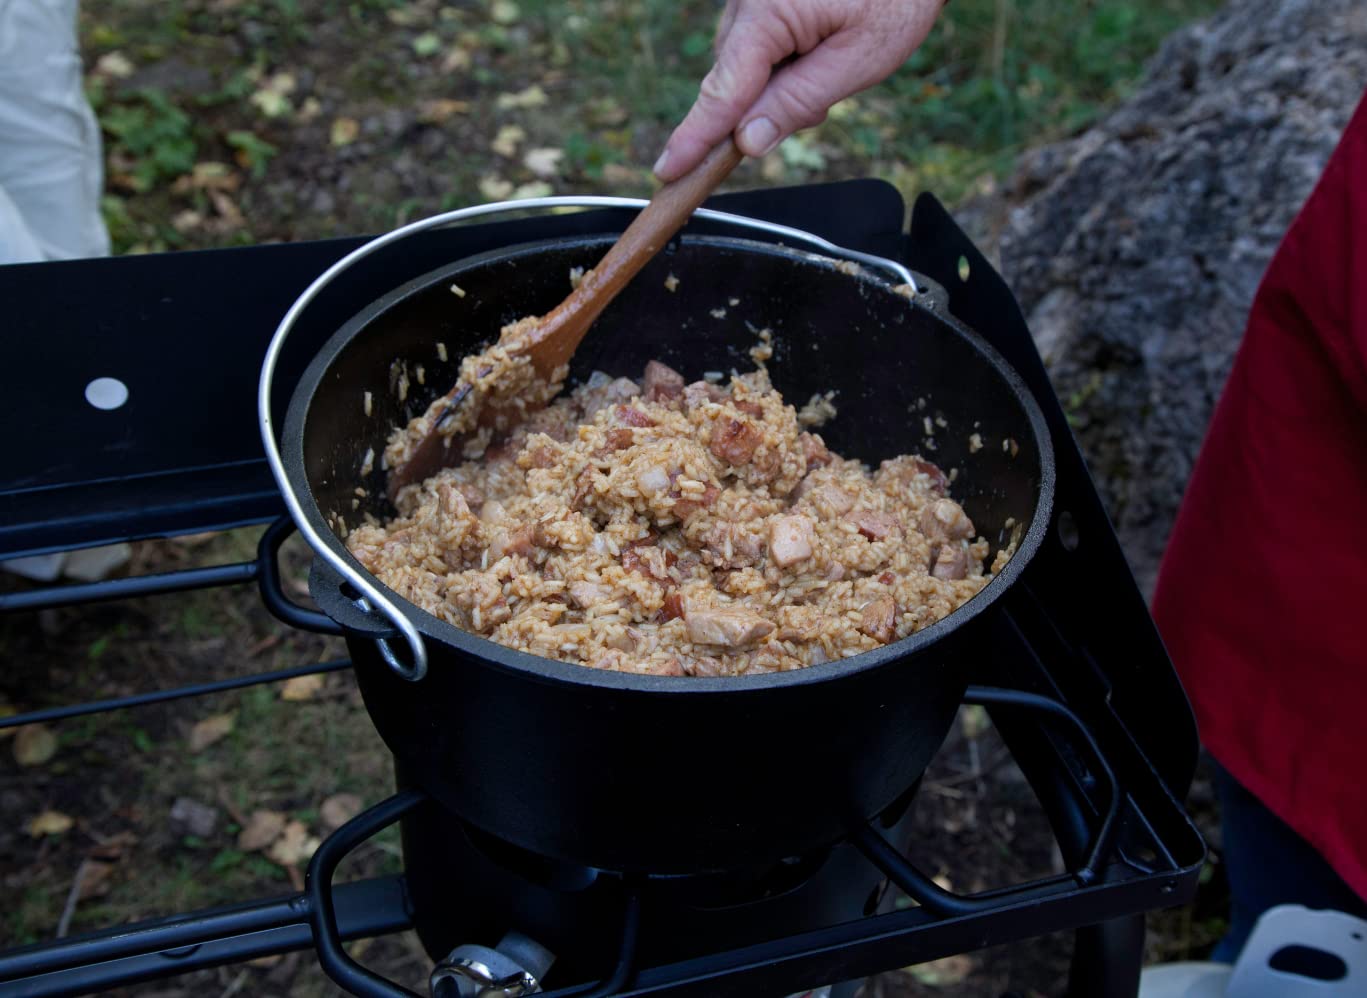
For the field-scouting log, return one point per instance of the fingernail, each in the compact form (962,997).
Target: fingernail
(759,137)
(660,163)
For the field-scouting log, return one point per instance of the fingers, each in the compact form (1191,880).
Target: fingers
(735,82)
(799,95)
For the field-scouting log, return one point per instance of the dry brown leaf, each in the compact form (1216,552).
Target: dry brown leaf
(114,64)
(273,99)
(309,110)
(495,188)
(344,131)
(533,96)
(294,846)
(505,12)
(186,221)
(338,809)
(113,847)
(506,141)
(457,60)
(34,744)
(210,730)
(544,161)
(49,823)
(95,876)
(302,687)
(263,828)
(437,110)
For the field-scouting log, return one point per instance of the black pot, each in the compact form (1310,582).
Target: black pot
(676,774)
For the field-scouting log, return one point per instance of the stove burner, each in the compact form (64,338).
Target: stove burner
(1084,695)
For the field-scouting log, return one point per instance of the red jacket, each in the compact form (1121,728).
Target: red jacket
(1262,595)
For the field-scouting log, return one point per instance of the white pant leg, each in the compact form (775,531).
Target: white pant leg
(50,153)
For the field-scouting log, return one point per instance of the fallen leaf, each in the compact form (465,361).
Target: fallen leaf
(407,16)
(266,962)
(799,152)
(272,99)
(544,161)
(49,823)
(506,141)
(457,60)
(620,175)
(535,189)
(34,744)
(294,846)
(209,175)
(186,221)
(495,188)
(302,687)
(427,43)
(344,131)
(505,12)
(533,96)
(113,847)
(338,809)
(606,112)
(114,64)
(210,730)
(262,828)
(310,109)
(95,876)
(437,110)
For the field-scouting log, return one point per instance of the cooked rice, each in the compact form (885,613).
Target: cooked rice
(677,531)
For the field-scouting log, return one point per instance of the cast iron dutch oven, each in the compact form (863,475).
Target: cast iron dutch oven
(634,773)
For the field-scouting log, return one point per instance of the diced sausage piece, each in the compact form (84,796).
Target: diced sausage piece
(619,438)
(649,560)
(814,450)
(629,415)
(832,498)
(887,578)
(750,408)
(945,520)
(661,382)
(516,541)
(735,440)
(585,594)
(669,667)
(878,619)
(873,524)
(452,501)
(938,480)
(951,562)
(673,606)
(538,455)
(699,392)
(684,508)
(583,485)
(790,540)
(731,627)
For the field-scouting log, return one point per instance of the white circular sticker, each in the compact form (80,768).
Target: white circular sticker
(106,393)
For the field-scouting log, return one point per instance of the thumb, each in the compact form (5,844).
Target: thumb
(799,95)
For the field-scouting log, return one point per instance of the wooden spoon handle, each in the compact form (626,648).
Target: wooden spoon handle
(560,332)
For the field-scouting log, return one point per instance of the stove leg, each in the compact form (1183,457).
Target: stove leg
(1107,959)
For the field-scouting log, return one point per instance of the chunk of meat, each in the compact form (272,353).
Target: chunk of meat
(831,499)
(583,486)
(607,393)
(951,562)
(519,540)
(878,618)
(944,520)
(661,382)
(673,606)
(729,545)
(538,455)
(735,440)
(649,560)
(731,627)
(814,450)
(669,667)
(585,594)
(700,392)
(874,524)
(749,408)
(619,438)
(629,415)
(939,481)
(790,540)
(684,508)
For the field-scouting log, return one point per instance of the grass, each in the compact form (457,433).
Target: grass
(994,77)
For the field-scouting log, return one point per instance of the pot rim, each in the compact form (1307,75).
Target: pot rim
(309,517)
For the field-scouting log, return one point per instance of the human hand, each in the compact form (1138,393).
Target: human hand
(833,48)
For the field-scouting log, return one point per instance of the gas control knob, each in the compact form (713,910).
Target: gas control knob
(512,969)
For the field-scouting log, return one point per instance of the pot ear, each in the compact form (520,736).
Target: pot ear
(338,600)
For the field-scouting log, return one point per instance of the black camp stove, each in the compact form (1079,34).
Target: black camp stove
(1076,679)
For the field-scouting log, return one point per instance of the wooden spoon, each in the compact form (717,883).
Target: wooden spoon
(560,331)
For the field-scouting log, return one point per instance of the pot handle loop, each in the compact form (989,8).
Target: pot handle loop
(372,595)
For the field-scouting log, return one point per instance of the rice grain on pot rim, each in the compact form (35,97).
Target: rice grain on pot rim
(678,529)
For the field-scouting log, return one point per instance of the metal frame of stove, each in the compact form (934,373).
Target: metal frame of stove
(1110,784)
